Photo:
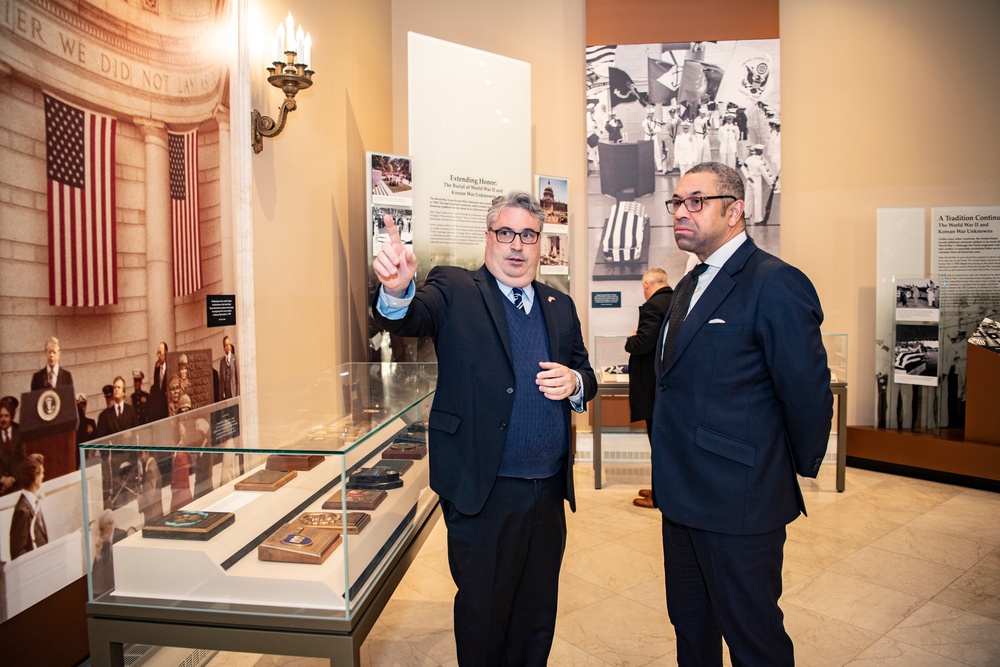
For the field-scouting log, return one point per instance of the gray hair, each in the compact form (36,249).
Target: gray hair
(515,199)
(728,178)
(655,276)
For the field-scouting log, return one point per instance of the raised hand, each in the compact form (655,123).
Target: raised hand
(395,265)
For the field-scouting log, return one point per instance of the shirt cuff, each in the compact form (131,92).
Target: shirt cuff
(394,308)
(576,398)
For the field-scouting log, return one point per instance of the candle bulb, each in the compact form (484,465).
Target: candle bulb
(300,40)
(307,58)
(289,33)
(279,54)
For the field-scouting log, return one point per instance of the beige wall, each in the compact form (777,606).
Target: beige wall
(889,103)
(308,186)
(885,104)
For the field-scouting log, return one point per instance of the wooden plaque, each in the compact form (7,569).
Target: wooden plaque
(189,525)
(357,499)
(293,461)
(356,521)
(298,543)
(266,480)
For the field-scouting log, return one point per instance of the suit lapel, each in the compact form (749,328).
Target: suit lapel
(720,287)
(544,302)
(494,298)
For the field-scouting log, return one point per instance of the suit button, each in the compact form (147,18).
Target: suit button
(503,426)
(510,390)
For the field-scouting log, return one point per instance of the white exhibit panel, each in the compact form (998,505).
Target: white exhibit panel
(470,137)
(965,253)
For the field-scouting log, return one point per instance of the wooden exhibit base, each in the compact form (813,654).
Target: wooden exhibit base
(944,455)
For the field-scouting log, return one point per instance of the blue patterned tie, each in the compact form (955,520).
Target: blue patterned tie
(518,298)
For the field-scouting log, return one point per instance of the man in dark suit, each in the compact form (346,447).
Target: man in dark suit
(11,448)
(641,347)
(157,407)
(52,375)
(27,525)
(229,371)
(120,469)
(511,366)
(743,404)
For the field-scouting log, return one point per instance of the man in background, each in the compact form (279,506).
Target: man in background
(27,524)
(641,346)
(158,390)
(229,371)
(52,375)
(11,448)
(140,398)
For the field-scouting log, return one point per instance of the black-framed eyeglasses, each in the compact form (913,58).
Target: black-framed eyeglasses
(506,235)
(692,204)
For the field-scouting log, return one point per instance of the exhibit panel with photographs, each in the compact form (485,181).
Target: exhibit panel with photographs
(271,517)
(390,192)
(652,112)
(915,357)
(553,196)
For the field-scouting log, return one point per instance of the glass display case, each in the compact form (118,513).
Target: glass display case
(233,514)
(836,356)
(611,359)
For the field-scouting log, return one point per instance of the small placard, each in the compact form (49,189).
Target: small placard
(605,299)
(220,310)
(225,424)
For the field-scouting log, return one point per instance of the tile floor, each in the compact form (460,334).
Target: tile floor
(892,572)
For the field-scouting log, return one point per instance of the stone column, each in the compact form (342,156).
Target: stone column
(160,320)
(226,194)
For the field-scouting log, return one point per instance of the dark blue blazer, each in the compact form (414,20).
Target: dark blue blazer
(464,312)
(745,402)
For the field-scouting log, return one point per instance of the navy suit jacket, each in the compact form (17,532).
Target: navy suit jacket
(463,311)
(745,402)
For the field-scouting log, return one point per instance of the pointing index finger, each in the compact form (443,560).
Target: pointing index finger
(390,228)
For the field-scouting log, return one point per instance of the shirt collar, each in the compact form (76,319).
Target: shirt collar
(529,292)
(718,258)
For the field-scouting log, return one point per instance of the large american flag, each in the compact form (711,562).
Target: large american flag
(183,150)
(80,159)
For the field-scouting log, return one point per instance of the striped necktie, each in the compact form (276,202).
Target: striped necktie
(518,298)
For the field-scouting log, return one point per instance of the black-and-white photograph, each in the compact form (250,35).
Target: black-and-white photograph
(918,300)
(915,358)
(403,217)
(987,335)
(655,110)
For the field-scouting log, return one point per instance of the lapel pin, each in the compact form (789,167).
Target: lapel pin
(551,299)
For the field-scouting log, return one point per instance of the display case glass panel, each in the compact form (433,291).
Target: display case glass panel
(611,359)
(836,356)
(241,505)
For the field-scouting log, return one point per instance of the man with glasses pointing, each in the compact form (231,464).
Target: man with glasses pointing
(743,403)
(511,366)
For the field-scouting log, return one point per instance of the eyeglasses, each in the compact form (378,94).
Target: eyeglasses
(692,204)
(505,235)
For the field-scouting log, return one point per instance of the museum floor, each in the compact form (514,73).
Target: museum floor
(893,571)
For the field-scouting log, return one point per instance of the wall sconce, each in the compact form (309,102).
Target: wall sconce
(289,72)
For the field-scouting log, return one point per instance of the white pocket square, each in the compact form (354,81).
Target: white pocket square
(717,321)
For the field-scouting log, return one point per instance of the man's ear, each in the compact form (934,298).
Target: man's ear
(736,212)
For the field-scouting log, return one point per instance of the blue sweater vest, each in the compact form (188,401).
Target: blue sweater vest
(536,437)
